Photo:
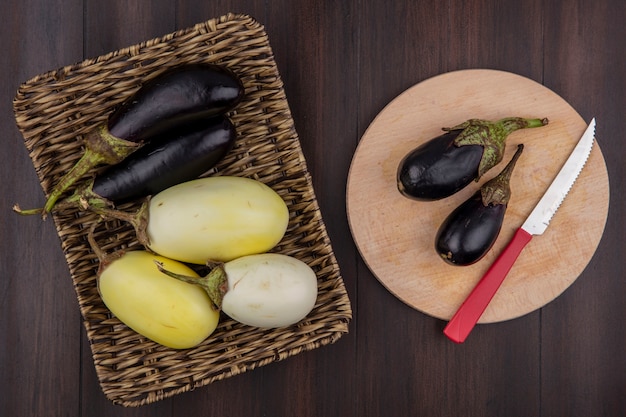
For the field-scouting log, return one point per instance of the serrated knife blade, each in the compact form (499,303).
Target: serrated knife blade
(540,217)
(466,317)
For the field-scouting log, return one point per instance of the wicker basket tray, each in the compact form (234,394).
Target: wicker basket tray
(56,109)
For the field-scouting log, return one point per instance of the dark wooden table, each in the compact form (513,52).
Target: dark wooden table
(341,62)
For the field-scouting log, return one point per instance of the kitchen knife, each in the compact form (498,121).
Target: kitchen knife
(473,307)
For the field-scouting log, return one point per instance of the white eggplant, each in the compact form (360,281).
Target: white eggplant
(215,219)
(266,290)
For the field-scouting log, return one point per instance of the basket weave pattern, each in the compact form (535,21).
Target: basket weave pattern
(55,110)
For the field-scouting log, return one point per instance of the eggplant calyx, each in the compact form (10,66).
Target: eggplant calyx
(215,283)
(101,147)
(497,190)
(138,220)
(85,198)
(491,136)
(110,148)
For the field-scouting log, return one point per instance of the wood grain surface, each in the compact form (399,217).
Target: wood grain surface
(395,235)
(341,62)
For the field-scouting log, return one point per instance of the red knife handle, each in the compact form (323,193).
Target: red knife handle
(475,304)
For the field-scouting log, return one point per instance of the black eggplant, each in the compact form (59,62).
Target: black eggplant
(175,97)
(446,164)
(167,160)
(171,99)
(468,233)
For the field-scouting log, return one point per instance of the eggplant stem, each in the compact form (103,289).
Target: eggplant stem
(97,250)
(498,189)
(29,212)
(89,160)
(492,137)
(100,148)
(138,220)
(511,124)
(215,283)
(104,259)
(71,202)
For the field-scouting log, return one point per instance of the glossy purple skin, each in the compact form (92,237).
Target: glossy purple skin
(468,233)
(438,168)
(176,97)
(167,160)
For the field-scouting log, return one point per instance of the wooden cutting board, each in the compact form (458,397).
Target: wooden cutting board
(395,235)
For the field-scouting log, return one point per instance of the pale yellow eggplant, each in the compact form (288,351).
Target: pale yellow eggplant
(170,312)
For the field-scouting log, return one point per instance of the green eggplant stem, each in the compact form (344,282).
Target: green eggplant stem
(89,160)
(491,136)
(101,147)
(215,283)
(78,200)
(138,220)
(27,212)
(83,198)
(498,189)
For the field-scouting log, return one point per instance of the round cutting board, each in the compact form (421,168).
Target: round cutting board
(395,235)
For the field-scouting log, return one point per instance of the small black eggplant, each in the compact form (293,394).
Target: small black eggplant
(448,163)
(468,233)
(171,99)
